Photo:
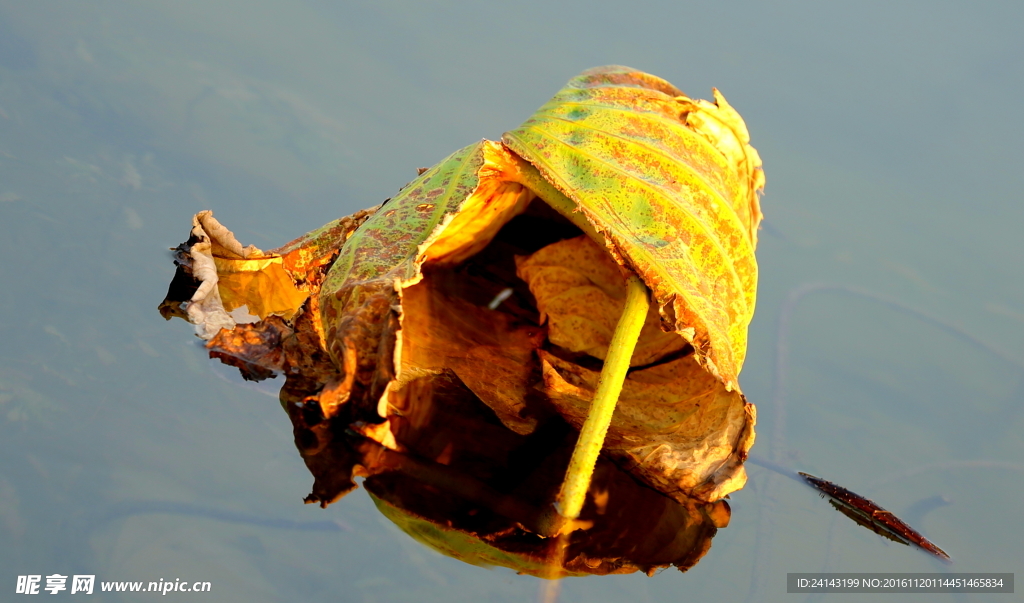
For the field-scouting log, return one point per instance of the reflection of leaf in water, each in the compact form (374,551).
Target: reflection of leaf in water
(469,488)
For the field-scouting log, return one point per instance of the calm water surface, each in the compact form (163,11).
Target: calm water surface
(891,141)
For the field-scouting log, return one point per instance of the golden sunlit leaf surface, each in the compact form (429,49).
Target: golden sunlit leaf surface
(262,285)
(673,185)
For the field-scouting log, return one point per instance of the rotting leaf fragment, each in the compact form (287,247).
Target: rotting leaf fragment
(872,516)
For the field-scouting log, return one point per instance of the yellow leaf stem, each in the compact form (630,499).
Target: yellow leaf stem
(588,447)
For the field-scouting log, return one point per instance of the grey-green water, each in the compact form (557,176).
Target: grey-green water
(891,140)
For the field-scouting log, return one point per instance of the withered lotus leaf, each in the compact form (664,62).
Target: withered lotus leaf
(500,272)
